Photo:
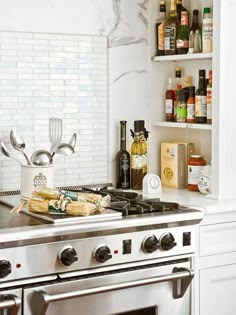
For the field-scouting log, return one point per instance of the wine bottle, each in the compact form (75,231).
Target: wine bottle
(160,29)
(201,99)
(136,163)
(182,38)
(123,160)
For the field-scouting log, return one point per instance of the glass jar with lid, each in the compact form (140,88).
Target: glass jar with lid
(195,164)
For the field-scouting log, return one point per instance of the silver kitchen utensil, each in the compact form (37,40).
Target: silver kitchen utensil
(55,131)
(73,140)
(63,148)
(41,158)
(6,153)
(18,144)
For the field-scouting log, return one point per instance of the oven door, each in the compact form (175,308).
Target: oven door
(151,290)
(10,302)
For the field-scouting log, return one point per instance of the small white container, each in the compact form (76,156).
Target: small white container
(35,176)
(204,183)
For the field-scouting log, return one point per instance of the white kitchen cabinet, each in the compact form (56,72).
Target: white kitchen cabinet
(213,141)
(215,277)
(217,290)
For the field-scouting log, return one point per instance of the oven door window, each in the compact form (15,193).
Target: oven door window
(144,311)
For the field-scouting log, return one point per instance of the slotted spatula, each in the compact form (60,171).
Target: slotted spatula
(55,131)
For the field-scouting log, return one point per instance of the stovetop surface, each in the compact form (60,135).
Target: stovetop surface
(124,204)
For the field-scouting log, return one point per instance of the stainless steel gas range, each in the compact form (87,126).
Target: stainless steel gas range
(137,261)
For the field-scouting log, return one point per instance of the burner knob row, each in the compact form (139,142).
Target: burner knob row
(151,243)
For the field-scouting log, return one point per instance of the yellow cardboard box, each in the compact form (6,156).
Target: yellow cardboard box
(173,165)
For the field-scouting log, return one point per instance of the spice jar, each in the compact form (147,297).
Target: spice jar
(195,164)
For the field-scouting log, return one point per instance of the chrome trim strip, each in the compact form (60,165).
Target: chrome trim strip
(27,281)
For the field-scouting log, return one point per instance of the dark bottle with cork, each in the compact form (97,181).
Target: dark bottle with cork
(201,99)
(123,160)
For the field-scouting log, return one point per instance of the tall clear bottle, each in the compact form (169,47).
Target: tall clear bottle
(136,163)
(160,29)
(170,97)
(170,29)
(201,99)
(123,160)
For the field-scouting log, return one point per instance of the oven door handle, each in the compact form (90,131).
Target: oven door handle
(42,299)
(12,302)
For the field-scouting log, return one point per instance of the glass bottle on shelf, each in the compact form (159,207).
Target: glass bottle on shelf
(195,33)
(179,9)
(178,86)
(209,98)
(136,163)
(207,31)
(182,38)
(201,99)
(191,105)
(160,29)
(170,29)
(169,101)
(123,160)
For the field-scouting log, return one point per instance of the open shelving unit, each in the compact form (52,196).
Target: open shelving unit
(181,125)
(185,57)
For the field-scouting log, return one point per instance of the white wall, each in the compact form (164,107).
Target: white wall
(125,24)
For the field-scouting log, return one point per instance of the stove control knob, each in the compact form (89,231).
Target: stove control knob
(150,244)
(167,241)
(5,268)
(102,254)
(68,256)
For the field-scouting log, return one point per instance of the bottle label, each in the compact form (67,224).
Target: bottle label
(137,161)
(190,111)
(161,33)
(207,35)
(209,103)
(124,165)
(200,106)
(184,18)
(170,37)
(182,43)
(193,174)
(181,113)
(169,106)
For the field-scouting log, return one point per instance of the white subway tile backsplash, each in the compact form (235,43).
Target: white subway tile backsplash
(53,75)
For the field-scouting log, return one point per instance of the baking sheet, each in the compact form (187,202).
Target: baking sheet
(65,218)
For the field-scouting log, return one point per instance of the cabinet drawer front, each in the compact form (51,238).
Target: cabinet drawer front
(217,239)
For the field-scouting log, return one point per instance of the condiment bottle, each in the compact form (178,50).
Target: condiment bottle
(178,86)
(201,99)
(195,34)
(181,108)
(169,101)
(191,105)
(209,98)
(207,31)
(170,29)
(195,164)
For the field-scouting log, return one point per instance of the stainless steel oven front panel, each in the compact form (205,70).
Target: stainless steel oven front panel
(10,302)
(125,291)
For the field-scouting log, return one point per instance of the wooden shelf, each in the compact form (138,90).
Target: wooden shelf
(181,125)
(184,57)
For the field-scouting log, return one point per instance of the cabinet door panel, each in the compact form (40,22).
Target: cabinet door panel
(217,291)
(217,239)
